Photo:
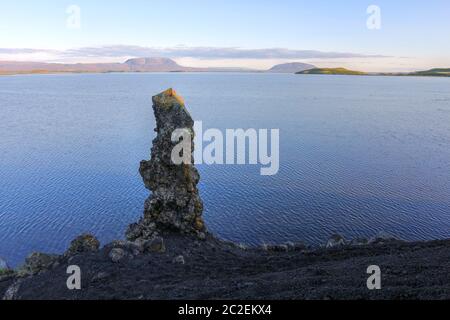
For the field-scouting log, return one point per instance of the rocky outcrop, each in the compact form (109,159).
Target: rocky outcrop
(155,245)
(381,238)
(179,260)
(37,262)
(13,291)
(285,247)
(174,204)
(117,254)
(83,243)
(336,240)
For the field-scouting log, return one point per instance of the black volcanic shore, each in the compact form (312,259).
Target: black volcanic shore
(189,268)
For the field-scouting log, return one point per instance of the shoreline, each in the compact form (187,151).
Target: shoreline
(26,73)
(184,267)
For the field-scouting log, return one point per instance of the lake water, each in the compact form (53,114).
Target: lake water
(358,155)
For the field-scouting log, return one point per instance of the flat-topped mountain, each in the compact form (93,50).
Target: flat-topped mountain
(332,71)
(154,64)
(291,67)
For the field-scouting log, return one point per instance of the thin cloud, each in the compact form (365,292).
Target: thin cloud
(26,51)
(201,53)
(209,53)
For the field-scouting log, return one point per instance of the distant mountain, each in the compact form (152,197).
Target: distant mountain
(154,65)
(131,65)
(332,71)
(292,67)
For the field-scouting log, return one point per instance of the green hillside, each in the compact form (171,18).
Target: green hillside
(438,72)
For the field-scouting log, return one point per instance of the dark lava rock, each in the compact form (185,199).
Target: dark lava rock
(117,254)
(276,248)
(83,243)
(410,271)
(335,240)
(12,293)
(174,204)
(155,245)
(37,262)
(101,276)
(179,260)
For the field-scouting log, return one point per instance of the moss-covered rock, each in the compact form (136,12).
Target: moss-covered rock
(84,243)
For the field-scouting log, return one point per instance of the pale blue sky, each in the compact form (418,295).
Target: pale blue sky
(413,32)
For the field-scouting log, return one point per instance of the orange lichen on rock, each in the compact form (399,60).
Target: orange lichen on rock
(168,98)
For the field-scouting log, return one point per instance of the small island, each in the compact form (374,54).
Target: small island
(437,72)
(332,71)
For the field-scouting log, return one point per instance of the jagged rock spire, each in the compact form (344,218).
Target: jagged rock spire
(174,204)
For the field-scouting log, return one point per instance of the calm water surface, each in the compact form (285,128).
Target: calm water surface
(358,155)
